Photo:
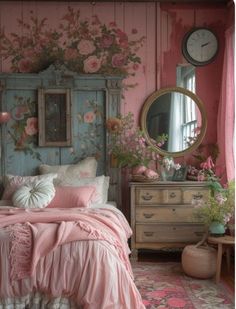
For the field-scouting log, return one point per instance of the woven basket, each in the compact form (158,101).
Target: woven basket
(143,178)
(199,261)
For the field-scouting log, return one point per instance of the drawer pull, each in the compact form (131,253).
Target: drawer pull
(173,209)
(147,197)
(174,229)
(148,216)
(148,234)
(172,195)
(197,196)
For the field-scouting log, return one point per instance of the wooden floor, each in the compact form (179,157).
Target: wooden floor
(163,256)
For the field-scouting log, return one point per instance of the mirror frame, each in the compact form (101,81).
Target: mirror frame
(152,98)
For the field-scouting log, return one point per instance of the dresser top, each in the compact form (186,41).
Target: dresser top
(170,183)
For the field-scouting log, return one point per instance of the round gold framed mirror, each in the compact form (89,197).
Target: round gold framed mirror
(174,121)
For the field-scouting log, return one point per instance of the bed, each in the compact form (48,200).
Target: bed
(65,248)
(63,244)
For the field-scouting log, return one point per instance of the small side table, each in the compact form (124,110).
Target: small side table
(223,243)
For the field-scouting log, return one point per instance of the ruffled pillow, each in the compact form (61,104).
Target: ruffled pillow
(12,183)
(34,195)
(69,172)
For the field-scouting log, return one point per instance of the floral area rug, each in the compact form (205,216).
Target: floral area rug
(164,285)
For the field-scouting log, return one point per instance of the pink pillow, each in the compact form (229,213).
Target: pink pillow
(69,197)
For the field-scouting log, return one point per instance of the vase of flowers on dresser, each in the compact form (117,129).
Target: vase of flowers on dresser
(128,146)
(167,168)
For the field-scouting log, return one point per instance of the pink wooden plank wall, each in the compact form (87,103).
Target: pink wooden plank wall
(164,27)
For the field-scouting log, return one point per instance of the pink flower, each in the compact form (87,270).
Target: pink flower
(208,164)
(112,24)
(200,177)
(70,54)
(31,126)
(106,41)
(122,38)
(86,47)
(92,64)
(134,31)
(89,117)
(220,198)
(118,60)
(25,65)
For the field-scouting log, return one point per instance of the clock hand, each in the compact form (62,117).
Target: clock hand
(205,44)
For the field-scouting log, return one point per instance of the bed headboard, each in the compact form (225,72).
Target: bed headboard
(87,100)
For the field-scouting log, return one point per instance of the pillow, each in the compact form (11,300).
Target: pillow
(34,195)
(84,168)
(12,183)
(69,197)
(101,183)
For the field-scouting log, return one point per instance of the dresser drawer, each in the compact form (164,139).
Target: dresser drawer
(165,214)
(169,233)
(192,195)
(151,196)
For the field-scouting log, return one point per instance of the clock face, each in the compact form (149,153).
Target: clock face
(200,46)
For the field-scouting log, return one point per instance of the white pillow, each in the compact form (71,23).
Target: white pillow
(69,172)
(34,195)
(12,183)
(101,184)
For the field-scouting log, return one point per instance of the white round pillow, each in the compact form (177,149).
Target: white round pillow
(34,195)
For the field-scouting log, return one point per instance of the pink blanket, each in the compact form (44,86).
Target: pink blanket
(47,229)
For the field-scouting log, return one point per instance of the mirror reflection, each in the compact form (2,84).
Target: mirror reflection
(174,121)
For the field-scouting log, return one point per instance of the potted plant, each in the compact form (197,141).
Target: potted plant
(217,211)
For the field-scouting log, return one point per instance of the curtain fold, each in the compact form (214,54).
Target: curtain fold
(226,113)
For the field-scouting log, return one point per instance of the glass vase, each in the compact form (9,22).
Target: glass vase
(167,174)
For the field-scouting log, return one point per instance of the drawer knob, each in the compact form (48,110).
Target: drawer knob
(148,234)
(147,197)
(172,195)
(148,216)
(173,209)
(197,196)
(174,228)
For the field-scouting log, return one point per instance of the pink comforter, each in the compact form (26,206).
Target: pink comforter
(96,276)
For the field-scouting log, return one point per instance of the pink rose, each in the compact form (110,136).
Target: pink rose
(25,65)
(92,64)
(118,60)
(86,47)
(31,126)
(106,41)
(70,54)
(89,117)
(208,164)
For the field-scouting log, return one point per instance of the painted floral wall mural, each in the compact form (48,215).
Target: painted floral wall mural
(24,127)
(84,46)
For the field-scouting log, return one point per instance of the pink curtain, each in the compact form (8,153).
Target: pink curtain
(225,123)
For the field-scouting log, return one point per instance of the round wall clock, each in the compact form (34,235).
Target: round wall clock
(200,46)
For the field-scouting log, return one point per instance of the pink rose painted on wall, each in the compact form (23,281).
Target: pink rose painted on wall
(31,126)
(118,60)
(24,127)
(84,46)
(89,117)
(92,64)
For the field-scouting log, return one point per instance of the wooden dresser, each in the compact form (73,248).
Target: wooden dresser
(162,214)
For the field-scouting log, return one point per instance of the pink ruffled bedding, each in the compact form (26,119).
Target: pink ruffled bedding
(80,256)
